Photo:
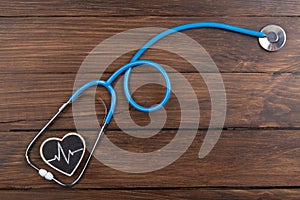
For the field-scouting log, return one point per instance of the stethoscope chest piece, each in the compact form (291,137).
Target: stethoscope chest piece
(64,155)
(274,39)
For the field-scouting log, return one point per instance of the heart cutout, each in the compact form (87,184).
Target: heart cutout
(63,155)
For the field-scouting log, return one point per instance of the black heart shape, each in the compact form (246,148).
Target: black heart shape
(63,155)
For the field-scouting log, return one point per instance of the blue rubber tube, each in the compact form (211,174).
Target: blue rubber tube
(163,34)
(184,27)
(135,62)
(108,85)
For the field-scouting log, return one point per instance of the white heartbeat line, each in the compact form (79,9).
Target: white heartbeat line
(60,151)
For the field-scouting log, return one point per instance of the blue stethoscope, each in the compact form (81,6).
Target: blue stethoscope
(271,38)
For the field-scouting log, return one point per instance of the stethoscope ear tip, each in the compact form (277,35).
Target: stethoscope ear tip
(275,38)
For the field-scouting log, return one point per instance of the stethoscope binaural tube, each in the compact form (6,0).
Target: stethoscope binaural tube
(271,38)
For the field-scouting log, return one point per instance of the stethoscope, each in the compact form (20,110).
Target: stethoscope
(271,38)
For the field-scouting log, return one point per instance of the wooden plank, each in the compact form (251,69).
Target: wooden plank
(253,100)
(59,45)
(201,194)
(241,158)
(154,8)
(44,43)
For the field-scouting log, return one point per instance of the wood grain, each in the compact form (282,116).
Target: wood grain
(154,8)
(43,44)
(52,45)
(253,100)
(201,194)
(241,158)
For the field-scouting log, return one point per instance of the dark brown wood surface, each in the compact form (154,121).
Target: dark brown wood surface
(191,193)
(43,44)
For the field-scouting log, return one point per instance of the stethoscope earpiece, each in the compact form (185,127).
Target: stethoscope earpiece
(274,39)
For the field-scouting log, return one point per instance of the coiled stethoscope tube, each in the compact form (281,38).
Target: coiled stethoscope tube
(126,70)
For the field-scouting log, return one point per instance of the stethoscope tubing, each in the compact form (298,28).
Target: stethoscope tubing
(108,85)
(127,68)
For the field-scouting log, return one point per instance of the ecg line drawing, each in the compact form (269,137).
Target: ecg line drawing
(61,151)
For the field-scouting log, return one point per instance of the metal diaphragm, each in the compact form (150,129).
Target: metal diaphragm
(274,39)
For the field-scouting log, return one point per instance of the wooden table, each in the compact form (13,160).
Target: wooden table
(43,44)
